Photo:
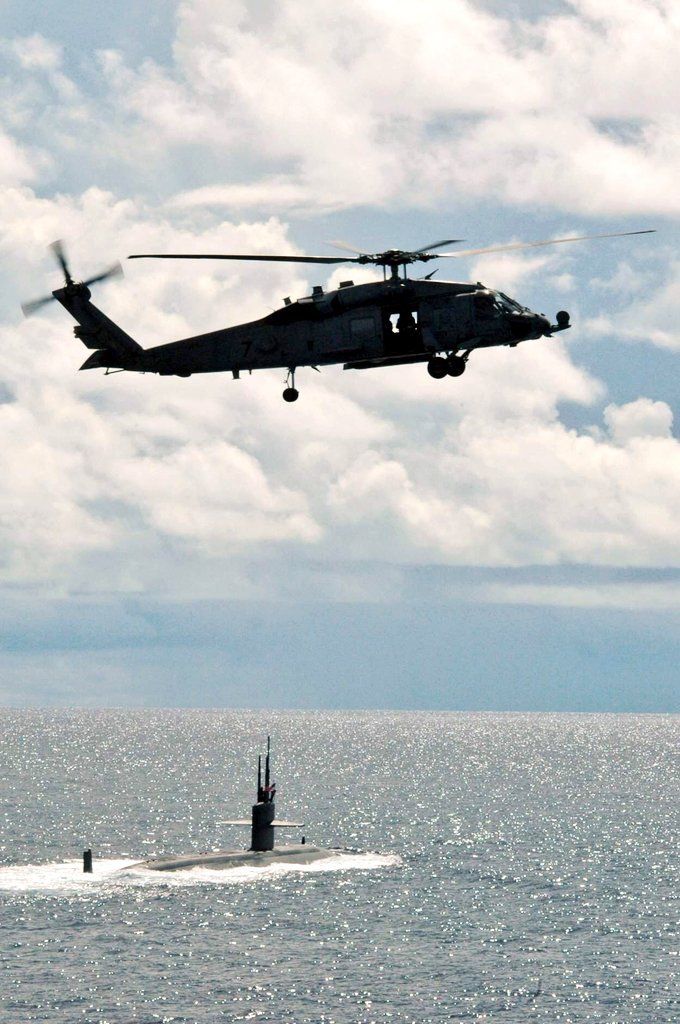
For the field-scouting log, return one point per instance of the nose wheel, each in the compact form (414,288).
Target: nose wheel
(290,392)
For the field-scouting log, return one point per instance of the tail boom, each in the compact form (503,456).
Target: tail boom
(111,345)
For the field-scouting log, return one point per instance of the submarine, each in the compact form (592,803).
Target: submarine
(262,851)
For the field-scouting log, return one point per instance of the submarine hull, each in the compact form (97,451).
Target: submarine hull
(298,853)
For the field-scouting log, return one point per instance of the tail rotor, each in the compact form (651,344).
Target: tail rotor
(60,256)
(70,286)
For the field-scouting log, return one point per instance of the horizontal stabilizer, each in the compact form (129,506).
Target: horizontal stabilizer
(276,824)
(102,358)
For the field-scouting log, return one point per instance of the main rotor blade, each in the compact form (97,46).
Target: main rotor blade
(338,244)
(248,256)
(536,245)
(435,245)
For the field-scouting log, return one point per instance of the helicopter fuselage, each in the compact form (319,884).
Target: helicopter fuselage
(381,323)
(362,326)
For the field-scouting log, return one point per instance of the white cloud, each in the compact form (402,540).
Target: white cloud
(643,418)
(35,53)
(651,316)
(508,272)
(566,111)
(640,596)
(175,113)
(46,463)
(40,104)
(603,52)
(283,105)
(215,496)
(561,160)
(16,163)
(526,492)
(278,192)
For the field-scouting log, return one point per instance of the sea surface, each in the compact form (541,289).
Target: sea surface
(490,867)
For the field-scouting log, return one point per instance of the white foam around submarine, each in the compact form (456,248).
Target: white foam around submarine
(68,876)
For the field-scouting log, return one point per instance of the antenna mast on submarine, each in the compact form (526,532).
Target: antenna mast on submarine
(267,787)
(262,829)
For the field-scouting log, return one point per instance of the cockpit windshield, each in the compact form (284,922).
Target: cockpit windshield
(508,304)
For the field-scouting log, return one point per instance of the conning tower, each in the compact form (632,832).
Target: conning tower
(262,834)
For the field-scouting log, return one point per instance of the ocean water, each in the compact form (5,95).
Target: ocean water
(490,867)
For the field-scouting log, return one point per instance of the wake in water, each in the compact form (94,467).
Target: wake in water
(68,876)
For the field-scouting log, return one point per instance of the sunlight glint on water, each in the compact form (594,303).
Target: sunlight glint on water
(501,867)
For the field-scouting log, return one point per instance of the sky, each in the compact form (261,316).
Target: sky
(507,540)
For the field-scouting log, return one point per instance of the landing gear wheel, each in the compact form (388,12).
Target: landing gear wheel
(437,367)
(291,395)
(455,366)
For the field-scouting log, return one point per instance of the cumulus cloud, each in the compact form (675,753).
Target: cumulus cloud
(278,192)
(652,315)
(35,53)
(39,99)
(16,162)
(530,492)
(215,496)
(572,115)
(276,105)
(46,464)
(641,419)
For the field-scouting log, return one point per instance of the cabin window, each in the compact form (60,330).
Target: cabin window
(402,332)
(402,321)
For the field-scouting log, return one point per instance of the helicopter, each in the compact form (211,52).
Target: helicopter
(390,322)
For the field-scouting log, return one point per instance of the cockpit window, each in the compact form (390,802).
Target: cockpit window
(509,303)
(485,304)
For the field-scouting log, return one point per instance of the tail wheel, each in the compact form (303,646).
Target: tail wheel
(290,392)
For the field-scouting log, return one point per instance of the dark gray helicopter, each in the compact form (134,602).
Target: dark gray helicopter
(391,322)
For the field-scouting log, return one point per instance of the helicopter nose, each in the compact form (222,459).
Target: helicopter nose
(543,324)
(539,326)
(526,326)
